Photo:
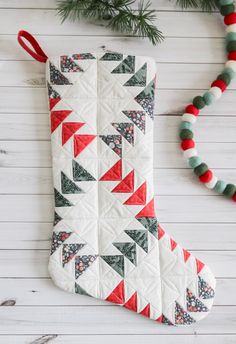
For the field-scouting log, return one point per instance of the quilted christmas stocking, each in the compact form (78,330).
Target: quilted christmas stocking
(107,242)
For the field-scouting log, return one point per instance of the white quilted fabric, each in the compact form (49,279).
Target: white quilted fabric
(107,242)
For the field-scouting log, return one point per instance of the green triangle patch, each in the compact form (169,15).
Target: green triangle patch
(57,218)
(126,130)
(80,174)
(80,290)
(112,57)
(146,98)
(140,237)
(61,201)
(137,117)
(150,223)
(128,249)
(127,66)
(69,187)
(116,263)
(56,77)
(139,78)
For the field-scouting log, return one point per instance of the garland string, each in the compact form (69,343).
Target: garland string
(200,168)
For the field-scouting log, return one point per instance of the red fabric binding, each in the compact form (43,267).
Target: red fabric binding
(37,53)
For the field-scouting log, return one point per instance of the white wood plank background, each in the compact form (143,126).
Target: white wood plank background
(32,309)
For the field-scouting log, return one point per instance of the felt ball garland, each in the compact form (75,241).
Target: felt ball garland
(218,86)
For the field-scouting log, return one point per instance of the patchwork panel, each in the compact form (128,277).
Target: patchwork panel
(107,242)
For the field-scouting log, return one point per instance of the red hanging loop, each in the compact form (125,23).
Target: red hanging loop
(37,53)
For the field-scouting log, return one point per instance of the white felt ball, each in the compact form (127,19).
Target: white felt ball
(231,64)
(212,183)
(216,91)
(188,117)
(190,152)
(231,28)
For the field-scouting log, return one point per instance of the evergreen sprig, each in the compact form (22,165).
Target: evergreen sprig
(120,17)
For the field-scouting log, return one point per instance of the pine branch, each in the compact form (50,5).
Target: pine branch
(205,5)
(118,15)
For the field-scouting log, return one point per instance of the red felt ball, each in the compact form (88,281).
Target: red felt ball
(234,197)
(230,19)
(187,144)
(232,55)
(192,109)
(219,83)
(206,177)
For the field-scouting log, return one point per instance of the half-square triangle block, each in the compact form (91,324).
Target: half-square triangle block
(146,311)
(139,78)
(132,303)
(69,187)
(81,142)
(116,263)
(80,173)
(118,294)
(68,129)
(114,173)
(126,185)
(68,65)
(127,66)
(57,117)
(147,211)
(138,197)
(56,77)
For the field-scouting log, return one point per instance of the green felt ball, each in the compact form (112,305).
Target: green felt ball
(208,98)
(186,134)
(231,36)
(230,72)
(230,190)
(194,161)
(225,2)
(201,169)
(227,9)
(231,46)
(199,102)
(220,186)
(225,77)
(186,125)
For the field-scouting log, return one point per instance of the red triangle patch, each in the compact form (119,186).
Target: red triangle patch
(138,197)
(173,244)
(114,173)
(118,294)
(186,255)
(161,232)
(147,211)
(126,185)
(200,265)
(53,102)
(160,318)
(132,303)
(146,311)
(68,129)
(81,142)
(57,117)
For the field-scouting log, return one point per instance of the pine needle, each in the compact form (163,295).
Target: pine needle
(205,5)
